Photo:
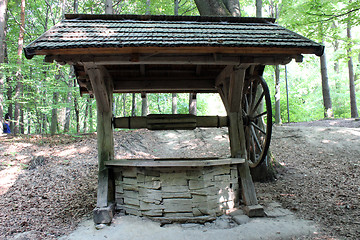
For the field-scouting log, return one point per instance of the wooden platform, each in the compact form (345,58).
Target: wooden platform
(174,162)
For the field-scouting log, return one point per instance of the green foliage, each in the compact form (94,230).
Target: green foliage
(320,20)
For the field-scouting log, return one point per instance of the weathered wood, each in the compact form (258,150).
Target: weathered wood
(254,211)
(270,53)
(226,72)
(233,105)
(247,185)
(237,78)
(100,78)
(103,89)
(173,162)
(166,122)
(163,84)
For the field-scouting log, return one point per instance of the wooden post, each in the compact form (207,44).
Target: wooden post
(103,89)
(231,94)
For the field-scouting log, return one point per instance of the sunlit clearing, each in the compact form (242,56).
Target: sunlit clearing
(8,177)
(71,150)
(220,138)
(215,105)
(171,135)
(355,132)
(15,148)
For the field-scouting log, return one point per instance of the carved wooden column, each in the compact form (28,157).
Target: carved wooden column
(230,84)
(102,86)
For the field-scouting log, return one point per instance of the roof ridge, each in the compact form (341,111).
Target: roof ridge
(168,18)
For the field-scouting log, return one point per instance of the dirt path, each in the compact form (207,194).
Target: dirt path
(320,178)
(48,184)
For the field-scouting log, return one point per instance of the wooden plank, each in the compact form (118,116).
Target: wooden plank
(174,162)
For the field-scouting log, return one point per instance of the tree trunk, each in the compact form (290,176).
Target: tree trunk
(353,105)
(124,104)
(3,20)
(218,7)
(54,116)
(259,8)
(144,105)
(133,105)
(77,113)
(10,108)
(328,113)
(174,103)
(148,4)
(29,121)
(108,7)
(86,113)
(277,95)
(19,86)
(91,125)
(176,7)
(76,6)
(68,108)
(192,104)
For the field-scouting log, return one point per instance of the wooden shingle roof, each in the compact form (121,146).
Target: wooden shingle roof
(100,34)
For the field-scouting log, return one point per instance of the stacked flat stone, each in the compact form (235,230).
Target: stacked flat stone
(177,193)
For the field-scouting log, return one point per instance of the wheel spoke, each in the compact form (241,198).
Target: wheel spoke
(260,115)
(252,154)
(256,139)
(258,128)
(253,93)
(257,103)
(246,105)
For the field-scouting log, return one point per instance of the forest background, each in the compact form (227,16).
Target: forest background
(44,98)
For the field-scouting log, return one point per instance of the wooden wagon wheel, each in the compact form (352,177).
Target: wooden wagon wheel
(257,118)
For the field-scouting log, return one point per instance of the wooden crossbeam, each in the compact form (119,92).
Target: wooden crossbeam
(170,122)
(174,58)
(174,162)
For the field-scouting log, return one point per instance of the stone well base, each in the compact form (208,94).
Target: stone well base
(176,193)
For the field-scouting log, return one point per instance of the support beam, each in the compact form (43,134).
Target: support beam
(233,105)
(103,90)
(237,78)
(170,122)
(174,58)
(225,73)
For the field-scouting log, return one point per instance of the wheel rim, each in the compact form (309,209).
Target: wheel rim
(257,119)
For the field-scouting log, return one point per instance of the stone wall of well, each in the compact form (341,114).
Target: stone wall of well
(176,192)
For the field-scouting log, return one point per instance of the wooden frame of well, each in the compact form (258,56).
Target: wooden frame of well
(174,190)
(173,54)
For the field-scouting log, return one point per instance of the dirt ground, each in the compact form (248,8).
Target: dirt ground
(48,184)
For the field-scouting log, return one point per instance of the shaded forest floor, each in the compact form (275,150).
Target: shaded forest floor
(48,184)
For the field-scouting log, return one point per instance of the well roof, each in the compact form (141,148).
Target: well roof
(118,32)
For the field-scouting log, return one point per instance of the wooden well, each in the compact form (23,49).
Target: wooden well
(174,54)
